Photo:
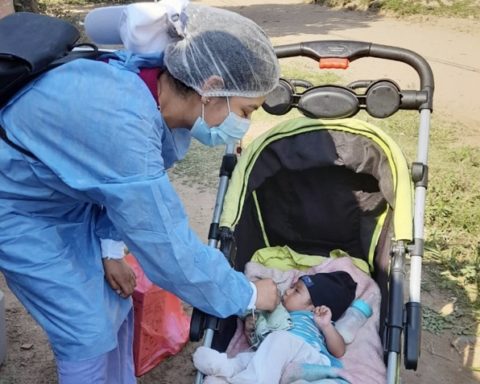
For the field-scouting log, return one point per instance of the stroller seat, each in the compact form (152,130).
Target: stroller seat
(316,186)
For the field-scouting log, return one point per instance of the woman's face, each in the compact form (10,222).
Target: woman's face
(297,298)
(216,109)
(181,110)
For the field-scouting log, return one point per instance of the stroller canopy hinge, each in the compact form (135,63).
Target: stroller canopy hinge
(420,174)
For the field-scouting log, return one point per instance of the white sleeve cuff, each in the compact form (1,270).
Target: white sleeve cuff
(112,249)
(253,299)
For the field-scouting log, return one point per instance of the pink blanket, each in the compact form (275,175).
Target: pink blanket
(363,360)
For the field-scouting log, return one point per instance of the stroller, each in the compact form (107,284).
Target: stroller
(337,183)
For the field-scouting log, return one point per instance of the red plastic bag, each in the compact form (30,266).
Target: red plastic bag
(161,324)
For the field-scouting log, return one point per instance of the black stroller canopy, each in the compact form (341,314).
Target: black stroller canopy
(315,190)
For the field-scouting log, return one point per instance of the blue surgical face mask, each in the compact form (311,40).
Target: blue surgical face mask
(232,129)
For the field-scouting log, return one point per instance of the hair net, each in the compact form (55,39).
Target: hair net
(229,50)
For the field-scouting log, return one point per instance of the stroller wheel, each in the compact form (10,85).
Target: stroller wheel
(197,325)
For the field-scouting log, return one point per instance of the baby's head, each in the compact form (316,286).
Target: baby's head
(336,290)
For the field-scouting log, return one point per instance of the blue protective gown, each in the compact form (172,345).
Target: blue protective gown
(103,148)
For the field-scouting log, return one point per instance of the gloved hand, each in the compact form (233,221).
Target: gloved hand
(268,296)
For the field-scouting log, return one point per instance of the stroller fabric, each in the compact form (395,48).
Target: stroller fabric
(322,188)
(284,258)
(318,186)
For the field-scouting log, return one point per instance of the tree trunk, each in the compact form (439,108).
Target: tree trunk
(6,7)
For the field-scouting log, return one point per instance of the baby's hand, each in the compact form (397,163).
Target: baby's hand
(322,316)
(120,276)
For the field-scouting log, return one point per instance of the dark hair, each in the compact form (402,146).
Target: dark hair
(179,86)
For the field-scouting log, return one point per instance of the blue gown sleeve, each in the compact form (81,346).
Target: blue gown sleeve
(154,226)
(104,141)
(105,228)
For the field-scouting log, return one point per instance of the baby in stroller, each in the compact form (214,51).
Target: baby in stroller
(305,333)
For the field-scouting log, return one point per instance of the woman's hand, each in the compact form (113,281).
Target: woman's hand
(322,316)
(120,276)
(268,296)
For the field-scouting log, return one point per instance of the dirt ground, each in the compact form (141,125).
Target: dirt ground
(450,46)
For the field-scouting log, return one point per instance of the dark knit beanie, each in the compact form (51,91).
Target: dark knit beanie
(336,290)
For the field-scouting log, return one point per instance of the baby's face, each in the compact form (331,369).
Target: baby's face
(297,298)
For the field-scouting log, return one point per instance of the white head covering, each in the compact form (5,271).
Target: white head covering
(225,46)
(142,28)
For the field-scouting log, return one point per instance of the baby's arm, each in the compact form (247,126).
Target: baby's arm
(334,341)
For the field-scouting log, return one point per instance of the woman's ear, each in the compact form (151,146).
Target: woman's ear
(213,83)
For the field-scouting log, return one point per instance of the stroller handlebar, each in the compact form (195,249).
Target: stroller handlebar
(353,50)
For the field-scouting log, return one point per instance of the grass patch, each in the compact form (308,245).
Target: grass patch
(456,8)
(434,322)
(200,167)
(452,211)
(442,8)
(64,9)
(57,3)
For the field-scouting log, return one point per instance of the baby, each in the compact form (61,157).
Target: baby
(313,302)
